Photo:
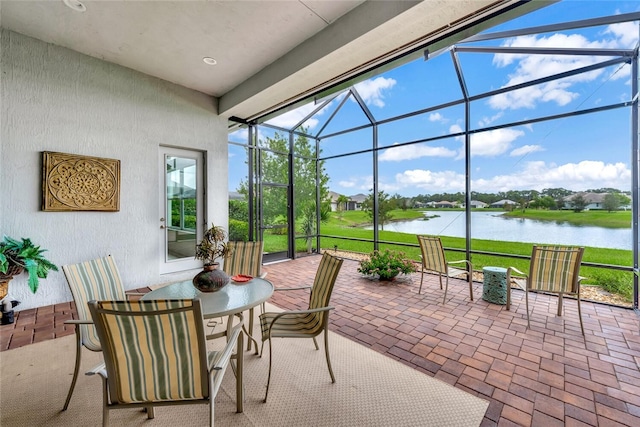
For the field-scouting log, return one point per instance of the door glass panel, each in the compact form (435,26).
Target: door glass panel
(182,208)
(275,221)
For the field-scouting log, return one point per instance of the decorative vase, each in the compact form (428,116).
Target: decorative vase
(210,279)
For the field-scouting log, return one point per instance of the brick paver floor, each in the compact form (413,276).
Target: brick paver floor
(549,375)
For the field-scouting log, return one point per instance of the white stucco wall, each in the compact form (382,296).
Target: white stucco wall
(54,99)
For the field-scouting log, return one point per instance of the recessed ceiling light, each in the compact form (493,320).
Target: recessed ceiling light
(209,61)
(75,5)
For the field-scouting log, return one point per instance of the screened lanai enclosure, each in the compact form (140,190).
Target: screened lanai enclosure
(510,137)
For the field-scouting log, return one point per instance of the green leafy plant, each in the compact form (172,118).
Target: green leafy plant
(386,264)
(212,246)
(19,255)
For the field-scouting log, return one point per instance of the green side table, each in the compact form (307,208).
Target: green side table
(494,288)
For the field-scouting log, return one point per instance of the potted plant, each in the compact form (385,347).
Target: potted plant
(386,264)
(19,255)
(211,247)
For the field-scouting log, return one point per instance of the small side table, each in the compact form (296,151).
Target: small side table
(494,288)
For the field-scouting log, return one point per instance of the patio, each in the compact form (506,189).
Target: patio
(549,375)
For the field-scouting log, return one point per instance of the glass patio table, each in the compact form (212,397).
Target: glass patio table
(231,300)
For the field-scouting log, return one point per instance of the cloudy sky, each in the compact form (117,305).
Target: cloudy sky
(577,153)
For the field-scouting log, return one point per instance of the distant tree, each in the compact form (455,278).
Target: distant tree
(556,193)
(611,202)
(578,203)
(341,204)
(385,206)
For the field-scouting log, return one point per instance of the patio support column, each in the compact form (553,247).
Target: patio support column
(635,192)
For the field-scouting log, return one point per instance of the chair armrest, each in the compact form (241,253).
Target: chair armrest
(466,261)
(292,289)
(297,312)
(100,369)
(78,322)
(517,279)
(135,294)
(221,358)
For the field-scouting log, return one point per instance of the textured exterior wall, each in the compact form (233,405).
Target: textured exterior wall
(54,99)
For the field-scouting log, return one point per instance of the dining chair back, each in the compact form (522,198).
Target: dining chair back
(554,270)
(433,259)
(305,323)
(98,279)
(155,354)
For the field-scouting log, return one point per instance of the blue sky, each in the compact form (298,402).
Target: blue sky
(577,153)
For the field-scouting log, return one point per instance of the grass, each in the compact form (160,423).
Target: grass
(617,219)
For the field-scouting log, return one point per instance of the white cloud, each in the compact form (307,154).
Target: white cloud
(239,135)
(415,151)
(293,117)
(534,175)
(347,184)
(436,117)
(486,121)
(526,149)
(371,90)
(530,67)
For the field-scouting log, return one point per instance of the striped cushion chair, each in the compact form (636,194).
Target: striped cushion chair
(245,258)
(155,354)
(95,279)
(305,323)
(553,269)
(433,260)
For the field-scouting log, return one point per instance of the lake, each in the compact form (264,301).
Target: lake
(494,226)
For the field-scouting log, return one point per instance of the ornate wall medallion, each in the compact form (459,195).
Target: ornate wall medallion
(79,183)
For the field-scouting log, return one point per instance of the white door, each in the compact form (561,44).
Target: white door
(181,208)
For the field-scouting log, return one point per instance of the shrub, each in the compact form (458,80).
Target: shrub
(238,230)
(386,264)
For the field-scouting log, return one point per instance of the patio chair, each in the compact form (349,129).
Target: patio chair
(554,270)
(305,323)
(245,258)
(433,260)
(89,280)
(155,354)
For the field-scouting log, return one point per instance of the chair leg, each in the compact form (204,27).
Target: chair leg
(150,413)
(526,299)
(446,288)
(580,315)
(560,304)
(470,277)
(326,350)
(105,403)
(421,279)
(316,343)
(269,376)
(76,369)
(212,400)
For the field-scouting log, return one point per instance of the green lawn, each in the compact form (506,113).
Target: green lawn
(617,219)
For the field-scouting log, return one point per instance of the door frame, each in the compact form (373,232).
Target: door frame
(186,263)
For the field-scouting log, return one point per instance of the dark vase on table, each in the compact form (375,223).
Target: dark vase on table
(210,279)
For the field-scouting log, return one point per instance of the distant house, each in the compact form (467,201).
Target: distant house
(354,203)
(445,204)
(502,203)
(594,201)
(478,204)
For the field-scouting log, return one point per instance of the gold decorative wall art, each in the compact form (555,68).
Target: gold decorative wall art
(79,183)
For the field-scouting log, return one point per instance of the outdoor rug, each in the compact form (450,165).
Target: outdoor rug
(370,390)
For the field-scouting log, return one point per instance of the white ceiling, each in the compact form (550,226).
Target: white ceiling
(268,53)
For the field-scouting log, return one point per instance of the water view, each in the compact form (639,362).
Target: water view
(494,226)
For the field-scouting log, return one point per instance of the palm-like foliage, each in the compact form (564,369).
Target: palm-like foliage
(23,254)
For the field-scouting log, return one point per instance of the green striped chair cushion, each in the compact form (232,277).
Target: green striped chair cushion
(555,268)
(307,324)
(97,279)
(155,355)
(244,258)
(433,257)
